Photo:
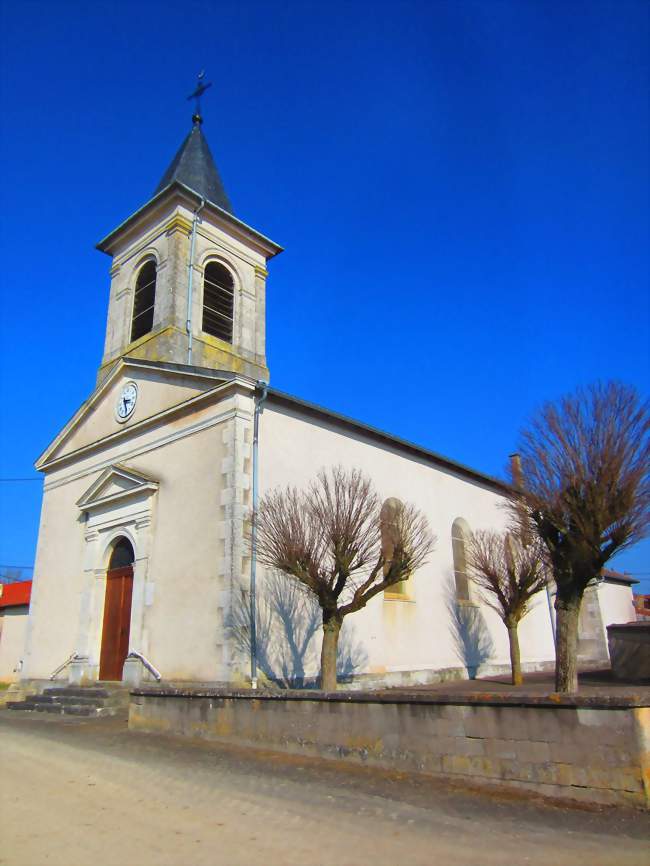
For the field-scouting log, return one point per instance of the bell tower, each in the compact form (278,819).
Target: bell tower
(188,278)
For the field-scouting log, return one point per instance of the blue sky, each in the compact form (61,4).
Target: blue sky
(461,188)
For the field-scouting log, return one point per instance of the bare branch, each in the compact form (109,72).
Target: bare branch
(507,572)
(585,466)
(584,488)
(328,539)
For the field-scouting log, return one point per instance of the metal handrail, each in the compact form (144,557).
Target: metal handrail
(134,654)
(70,658)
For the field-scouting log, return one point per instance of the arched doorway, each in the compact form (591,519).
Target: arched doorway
(117,611)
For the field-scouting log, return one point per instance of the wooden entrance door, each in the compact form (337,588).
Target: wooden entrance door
(117,622)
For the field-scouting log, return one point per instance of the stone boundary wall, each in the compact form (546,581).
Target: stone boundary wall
(582,748)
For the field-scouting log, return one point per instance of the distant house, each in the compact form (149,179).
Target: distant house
(642,606)
(14,610)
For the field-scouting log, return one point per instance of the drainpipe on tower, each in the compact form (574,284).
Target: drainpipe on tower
(188,322)
(253,600)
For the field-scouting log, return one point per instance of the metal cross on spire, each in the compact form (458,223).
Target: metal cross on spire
(201,87)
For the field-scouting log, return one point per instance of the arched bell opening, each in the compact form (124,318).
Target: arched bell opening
(117,610)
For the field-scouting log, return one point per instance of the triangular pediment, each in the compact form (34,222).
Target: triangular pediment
(160,388)
(116,484)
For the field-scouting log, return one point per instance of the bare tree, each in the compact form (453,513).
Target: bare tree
(583,475)
(508,573)
(328,538)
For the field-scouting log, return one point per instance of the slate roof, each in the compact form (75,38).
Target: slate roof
(611,576)
(194,167)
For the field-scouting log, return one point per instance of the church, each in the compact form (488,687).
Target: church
(144,567)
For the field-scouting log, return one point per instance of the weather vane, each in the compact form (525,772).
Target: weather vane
(201,87)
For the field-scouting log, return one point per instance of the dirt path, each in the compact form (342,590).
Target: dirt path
(89,793)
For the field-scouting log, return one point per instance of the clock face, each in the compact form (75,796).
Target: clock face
(126,401)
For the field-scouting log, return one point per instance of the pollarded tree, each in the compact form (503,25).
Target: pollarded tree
(508,572)
(584,478)
(334,541)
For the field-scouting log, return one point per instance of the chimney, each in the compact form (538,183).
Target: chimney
(516,472)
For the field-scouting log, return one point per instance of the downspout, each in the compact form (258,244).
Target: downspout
(551,613)
(253,587)
(190,281)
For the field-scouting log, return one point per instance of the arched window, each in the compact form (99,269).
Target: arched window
(122,554)
(218,301)
(389,528)
(143,303)
(459,538)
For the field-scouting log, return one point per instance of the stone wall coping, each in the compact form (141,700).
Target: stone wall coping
(489,699)
(639,625)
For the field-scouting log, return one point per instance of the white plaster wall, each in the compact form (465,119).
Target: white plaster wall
(616,603)
(57,583)
(13,629)
(187,587)
(184,618)
(402,635)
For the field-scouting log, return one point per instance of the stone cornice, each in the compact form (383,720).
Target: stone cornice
(393,696)
(179,191)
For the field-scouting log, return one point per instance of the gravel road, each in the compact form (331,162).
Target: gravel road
(89,793)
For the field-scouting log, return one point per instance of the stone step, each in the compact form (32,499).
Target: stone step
(49,708)
(67,706)
(67,709)
(77,692)
(61,709)
(80,710)
(118,697)
(67,699)
(20,705)
(111,699)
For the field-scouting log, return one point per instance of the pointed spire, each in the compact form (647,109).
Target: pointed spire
(194,166)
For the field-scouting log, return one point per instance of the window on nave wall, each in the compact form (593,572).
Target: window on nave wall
(144,301)
(389,526)
(218,301)
(459,539)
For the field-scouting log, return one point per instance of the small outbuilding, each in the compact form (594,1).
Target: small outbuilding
(14,613)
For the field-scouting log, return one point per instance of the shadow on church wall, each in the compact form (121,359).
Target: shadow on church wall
(472,640)
(288,635)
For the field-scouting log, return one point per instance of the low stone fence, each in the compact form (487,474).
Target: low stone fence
(580,748)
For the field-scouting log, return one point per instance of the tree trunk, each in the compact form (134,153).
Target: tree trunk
(515,655)
(331,631)
(566,652)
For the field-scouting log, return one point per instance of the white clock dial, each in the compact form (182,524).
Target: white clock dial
(126,401)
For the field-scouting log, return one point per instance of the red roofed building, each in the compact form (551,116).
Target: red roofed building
(14,611)
(642,606)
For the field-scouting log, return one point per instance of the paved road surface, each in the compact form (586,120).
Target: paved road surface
(89,793)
